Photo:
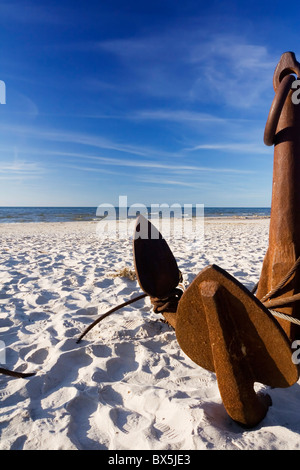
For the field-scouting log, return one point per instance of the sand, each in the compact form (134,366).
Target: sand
(127,385)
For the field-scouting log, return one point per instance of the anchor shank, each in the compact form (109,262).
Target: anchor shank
(284,231)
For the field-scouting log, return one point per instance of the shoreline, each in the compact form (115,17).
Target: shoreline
(206,218)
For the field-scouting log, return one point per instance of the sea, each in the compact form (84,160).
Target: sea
(84,214)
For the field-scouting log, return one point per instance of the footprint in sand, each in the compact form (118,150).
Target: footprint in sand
(39,356)
(66,368)
(127,421)
(125,362)
(165,432)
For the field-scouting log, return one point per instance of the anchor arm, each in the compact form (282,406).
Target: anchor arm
(233,371)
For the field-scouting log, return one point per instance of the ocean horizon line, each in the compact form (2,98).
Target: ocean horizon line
(92,206)
(26,214)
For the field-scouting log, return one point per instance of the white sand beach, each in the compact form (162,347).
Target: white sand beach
(127,385)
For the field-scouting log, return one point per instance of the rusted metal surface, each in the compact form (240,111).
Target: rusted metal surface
(156,269)
(276,108)
(284,232)
(18,375)
(220,325)
(223,328)
(155,266)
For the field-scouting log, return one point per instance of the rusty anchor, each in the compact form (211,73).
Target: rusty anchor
(279,282)
(156,269)
(218,323)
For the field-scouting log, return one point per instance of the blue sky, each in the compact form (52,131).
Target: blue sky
(162,101)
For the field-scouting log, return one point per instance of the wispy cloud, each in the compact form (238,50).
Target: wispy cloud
(233,70)
(240,147)
(194,65)
(156,162)
(20,170)
(131,163)
(170,182)
(88,140)
(176,116)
